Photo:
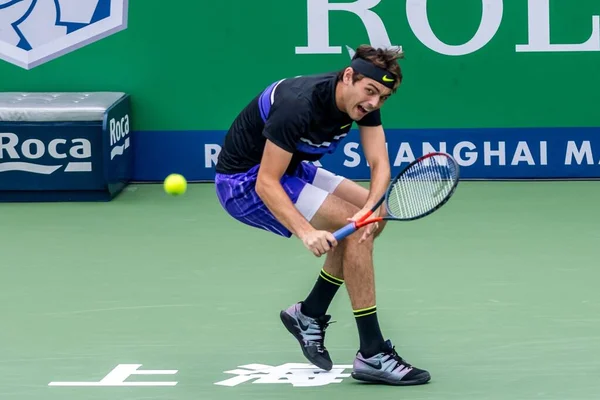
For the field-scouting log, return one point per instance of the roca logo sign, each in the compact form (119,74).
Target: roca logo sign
(39,157)
(119,136)
(33,32)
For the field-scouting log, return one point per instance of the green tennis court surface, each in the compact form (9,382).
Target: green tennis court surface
(496,295)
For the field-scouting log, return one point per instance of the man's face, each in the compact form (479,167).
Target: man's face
(364,96)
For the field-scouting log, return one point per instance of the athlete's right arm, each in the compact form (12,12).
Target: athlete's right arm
(275,161)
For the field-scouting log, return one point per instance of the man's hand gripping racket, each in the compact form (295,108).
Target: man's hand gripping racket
(418,190)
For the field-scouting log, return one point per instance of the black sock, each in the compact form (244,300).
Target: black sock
(371,339)
(319,299)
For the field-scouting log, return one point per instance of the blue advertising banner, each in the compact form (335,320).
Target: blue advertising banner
(525,153)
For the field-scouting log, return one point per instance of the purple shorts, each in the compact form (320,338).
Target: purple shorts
(307,188)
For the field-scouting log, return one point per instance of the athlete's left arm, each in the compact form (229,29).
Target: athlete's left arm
(375,150)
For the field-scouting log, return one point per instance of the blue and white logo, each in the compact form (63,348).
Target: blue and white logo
(42,156)
(33,32)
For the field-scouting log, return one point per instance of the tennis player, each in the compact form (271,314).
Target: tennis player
(265,179)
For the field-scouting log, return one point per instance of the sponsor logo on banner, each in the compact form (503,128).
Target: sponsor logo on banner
(119,136)
(33,32)
(538,27)
(44,156)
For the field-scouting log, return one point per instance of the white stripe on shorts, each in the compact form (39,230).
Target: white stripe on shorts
(326,180)
(312,196)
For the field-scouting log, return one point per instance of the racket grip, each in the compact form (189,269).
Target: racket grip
(345,231)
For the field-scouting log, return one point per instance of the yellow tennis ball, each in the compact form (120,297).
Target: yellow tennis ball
(175,184)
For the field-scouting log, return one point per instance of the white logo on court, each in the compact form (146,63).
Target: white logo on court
(119,375)
(290,373)
(33,32)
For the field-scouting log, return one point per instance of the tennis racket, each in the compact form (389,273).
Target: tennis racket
(418,190)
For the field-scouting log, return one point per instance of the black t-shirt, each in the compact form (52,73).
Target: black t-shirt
(297,114)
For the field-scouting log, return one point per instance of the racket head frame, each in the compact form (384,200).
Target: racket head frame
(405,170)
(368,219)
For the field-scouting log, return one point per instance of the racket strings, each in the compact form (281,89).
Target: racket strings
(422,187)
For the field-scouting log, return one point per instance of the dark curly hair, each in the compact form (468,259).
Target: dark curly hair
(383,58)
